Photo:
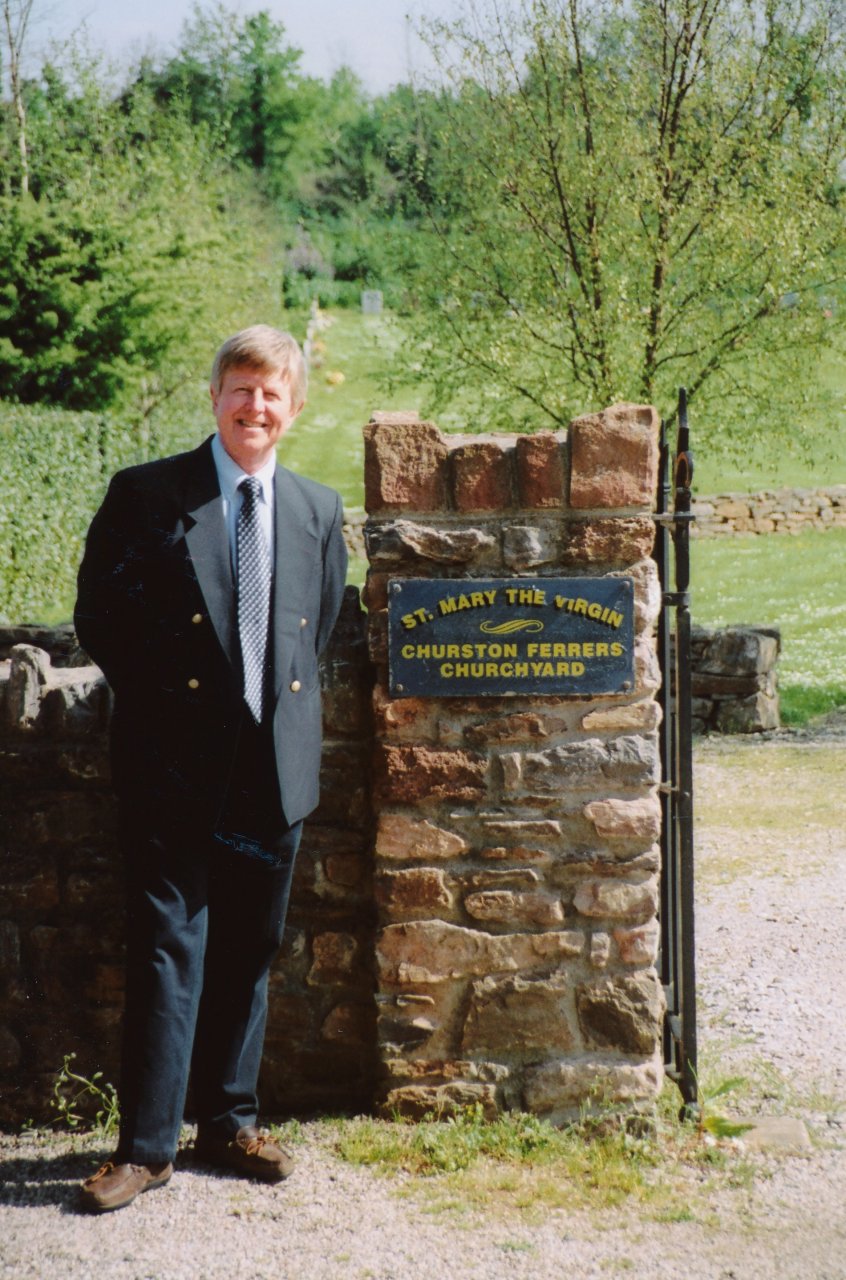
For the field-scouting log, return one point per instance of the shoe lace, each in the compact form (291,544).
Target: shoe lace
(255,1144)
(101,1172)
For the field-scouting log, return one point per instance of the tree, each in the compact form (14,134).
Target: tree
(237,79)
(135,248)
(633,196)
(16,15)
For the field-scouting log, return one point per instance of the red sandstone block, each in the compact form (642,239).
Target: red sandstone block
(350,1023)
(613,542)
(335,956)
(540,470)
(481,476)
(407,774)
(404,717)
(374,595)
(345,869)
(413,892)
(405,465)
(614,457)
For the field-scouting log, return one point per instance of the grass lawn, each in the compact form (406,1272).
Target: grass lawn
(326,441)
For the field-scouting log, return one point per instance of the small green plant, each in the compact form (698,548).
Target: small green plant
(75,1096)
(711,1122)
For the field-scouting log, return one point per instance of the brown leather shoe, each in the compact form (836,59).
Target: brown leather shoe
(114,1186)
(251,1151)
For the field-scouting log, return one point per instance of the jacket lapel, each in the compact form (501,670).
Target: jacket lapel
(208,544)
(296,538)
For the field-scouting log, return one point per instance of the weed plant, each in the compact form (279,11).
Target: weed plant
(524,1163)
(82,1102)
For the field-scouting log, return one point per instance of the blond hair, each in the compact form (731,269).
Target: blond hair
(270,350)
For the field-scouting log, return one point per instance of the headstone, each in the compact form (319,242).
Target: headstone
(371,302)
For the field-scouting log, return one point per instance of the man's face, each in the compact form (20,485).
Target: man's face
(253,410)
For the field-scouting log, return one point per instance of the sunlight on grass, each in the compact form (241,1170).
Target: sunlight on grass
(326,441)
(522,1164)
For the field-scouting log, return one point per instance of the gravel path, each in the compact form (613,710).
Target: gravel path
(772,1007)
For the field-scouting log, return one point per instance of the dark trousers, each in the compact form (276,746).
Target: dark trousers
(204,923)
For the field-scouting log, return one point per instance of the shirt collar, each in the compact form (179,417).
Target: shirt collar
(230,475)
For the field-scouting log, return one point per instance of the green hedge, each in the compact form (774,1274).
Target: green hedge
(54,469)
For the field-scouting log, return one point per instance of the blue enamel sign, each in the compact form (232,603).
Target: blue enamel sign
(505,636)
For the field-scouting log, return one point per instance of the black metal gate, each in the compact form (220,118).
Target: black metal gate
(672,554)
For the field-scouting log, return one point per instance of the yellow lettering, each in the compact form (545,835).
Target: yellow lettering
(587,649)
(616,649)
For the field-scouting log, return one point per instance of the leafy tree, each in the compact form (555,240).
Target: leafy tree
(135,250)
(630,197)
(238,80)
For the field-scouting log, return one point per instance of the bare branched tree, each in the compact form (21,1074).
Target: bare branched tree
(16,15)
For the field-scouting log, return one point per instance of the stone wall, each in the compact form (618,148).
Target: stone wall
(61,897)
(516,865)
(770,511)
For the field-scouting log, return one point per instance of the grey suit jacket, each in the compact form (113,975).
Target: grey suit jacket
(156,611)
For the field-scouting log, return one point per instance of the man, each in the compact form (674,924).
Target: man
(210,583)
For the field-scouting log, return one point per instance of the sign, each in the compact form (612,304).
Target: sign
(501,636)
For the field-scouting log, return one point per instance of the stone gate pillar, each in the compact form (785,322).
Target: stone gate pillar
(516,855)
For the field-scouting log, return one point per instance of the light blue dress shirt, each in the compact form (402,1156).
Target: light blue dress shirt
(229,476)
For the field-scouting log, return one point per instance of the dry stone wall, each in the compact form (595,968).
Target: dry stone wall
(61,889)
(734,679)
(516,865)
(770,511)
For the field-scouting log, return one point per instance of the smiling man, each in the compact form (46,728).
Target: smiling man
(210,583)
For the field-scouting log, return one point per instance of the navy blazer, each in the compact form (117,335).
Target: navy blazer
(156,610)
